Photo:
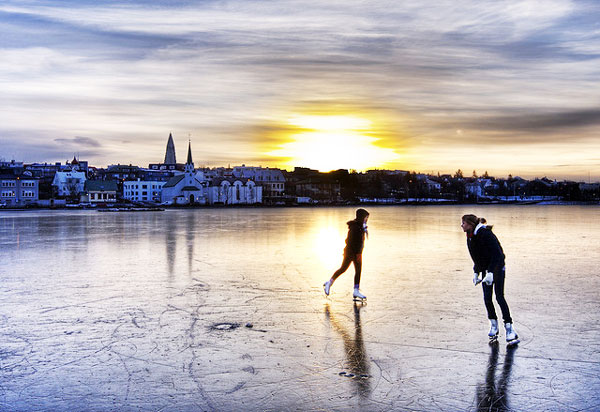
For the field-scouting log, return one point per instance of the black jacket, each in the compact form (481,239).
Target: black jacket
(355,241)
(486,251)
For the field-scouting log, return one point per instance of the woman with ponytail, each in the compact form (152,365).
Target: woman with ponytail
(488,259)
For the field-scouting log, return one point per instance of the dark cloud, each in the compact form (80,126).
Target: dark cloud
(538,121)
(80,141)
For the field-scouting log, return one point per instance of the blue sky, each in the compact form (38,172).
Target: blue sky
(504,86)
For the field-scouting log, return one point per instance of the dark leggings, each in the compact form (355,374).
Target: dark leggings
(498,288)
(357,260)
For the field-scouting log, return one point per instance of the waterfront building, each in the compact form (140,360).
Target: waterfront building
(100,191)
(231,191)
(271,180)
(69,182)
(186,188)
(143,190)
(18,190)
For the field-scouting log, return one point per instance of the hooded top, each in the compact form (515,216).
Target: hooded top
(355,241)
(485,250)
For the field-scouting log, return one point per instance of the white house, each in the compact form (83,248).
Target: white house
(143,190)
(69,182)
(230,191)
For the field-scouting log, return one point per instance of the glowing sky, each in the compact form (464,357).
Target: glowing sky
(503,86)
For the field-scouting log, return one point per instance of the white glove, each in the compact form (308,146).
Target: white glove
(489,278)
(476,279)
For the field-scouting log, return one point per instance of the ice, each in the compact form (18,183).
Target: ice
(151,311)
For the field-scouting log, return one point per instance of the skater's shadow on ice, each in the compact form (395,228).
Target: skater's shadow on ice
(492,396)
(356,361)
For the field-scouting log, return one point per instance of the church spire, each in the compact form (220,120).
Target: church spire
(189,165)
(170,154)
(189,159)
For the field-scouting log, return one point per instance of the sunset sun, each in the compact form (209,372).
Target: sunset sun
(333,142)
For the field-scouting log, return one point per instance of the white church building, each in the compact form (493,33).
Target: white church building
(188,188)
(192,187)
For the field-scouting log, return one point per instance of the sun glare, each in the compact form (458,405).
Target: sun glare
(327,246)
(333,142)
(330,123)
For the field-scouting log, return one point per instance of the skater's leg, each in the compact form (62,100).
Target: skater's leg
(357,270)
(499,291)
(345,265)
(487,299)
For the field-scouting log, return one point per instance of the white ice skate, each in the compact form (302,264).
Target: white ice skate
(326,287)
(493,333)
(511,335)
(357,296)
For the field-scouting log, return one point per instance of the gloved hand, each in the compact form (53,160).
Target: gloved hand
(476,279)
(489,278)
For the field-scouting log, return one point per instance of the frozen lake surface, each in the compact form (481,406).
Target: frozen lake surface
(223,310)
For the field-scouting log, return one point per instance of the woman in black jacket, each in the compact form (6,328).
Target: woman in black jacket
(355,241)
(488,259)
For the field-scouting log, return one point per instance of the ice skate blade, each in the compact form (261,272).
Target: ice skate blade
(493,340)
(513,342)
(362,300)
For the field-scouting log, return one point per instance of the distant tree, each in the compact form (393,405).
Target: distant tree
(458,174)
(475,173)
(486,175)
(71,186)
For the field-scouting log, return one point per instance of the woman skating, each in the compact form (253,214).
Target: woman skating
(488,259)
(355,241)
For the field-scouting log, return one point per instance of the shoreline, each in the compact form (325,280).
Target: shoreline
(432,202)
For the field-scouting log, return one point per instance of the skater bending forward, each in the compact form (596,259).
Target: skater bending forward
(355,241)
(488,259)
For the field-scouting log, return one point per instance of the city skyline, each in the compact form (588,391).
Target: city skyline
(502,87)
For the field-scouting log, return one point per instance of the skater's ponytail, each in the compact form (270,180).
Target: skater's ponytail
(473,220)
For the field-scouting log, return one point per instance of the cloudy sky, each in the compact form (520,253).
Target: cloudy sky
(503,86)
